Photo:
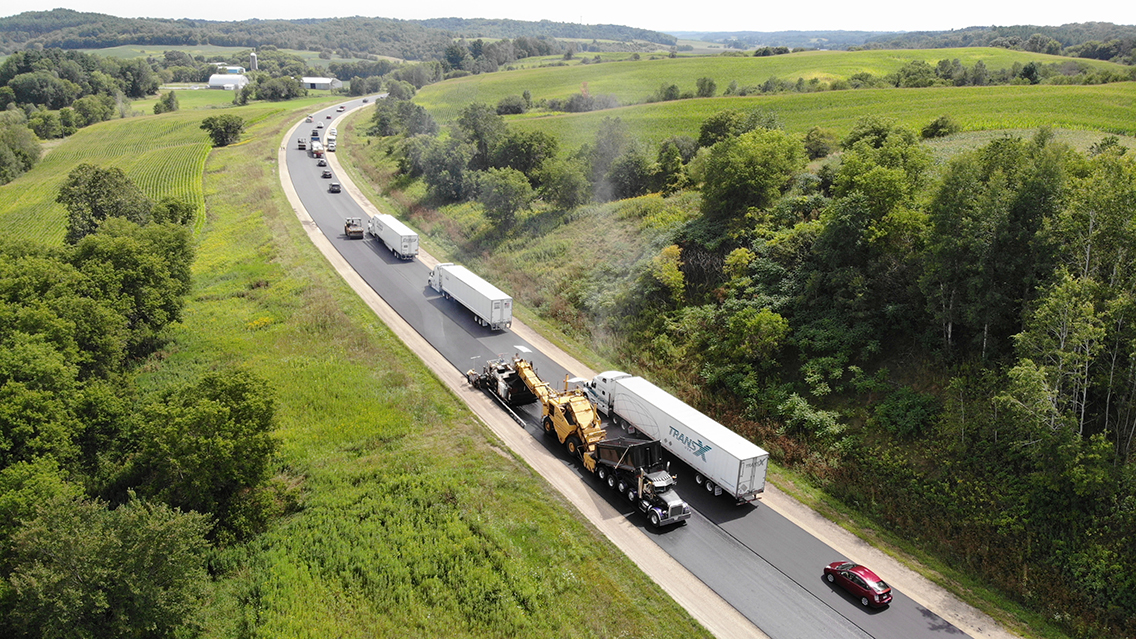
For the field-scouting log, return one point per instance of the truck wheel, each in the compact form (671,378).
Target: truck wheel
(654,518)
(698,479)
(601,472)
(631,495)
(547,426)
(573,446)
(709,486)
(611,481)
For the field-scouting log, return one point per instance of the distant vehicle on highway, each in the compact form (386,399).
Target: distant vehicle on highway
(341,109)
(334,187)
(328,116)
(326,173)
(319,125)
(322,162)
(859,581)
(365,100)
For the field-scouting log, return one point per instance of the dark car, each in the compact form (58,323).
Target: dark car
(365,100)
(334,187)
(322,162)
(328,116)
(326,173)
(861,582)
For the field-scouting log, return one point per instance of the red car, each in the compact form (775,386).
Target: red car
(859,581)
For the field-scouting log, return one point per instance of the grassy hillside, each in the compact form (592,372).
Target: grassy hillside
(165,155)
(633,82)
(1105,107)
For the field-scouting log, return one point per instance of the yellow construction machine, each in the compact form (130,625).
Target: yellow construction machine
(568,414)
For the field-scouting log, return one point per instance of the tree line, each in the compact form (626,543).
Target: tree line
(110,496)
(346,37)
(1094,40)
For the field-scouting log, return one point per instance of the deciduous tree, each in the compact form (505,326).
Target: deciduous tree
(504,192)
(93,194)
(86,571)
(224,129)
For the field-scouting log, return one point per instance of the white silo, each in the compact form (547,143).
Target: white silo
(252,61)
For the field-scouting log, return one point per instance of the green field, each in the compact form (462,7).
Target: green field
(188,99)
(1106,108)
(164,154)
(632,82)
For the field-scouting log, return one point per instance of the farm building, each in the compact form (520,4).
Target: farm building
(227,81)
(321,83)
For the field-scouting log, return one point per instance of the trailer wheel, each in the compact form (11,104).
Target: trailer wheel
(573,446)
(601,472)
(547,426)
(698,479)
(654,518)
(709,486)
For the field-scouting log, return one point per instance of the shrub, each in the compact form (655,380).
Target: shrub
(906,413)
(941,126)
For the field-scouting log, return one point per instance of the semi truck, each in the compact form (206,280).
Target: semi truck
(398,237)
(490,306)
(317,149)
(301,144)
(723,461)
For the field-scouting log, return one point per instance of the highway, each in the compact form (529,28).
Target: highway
(765,566)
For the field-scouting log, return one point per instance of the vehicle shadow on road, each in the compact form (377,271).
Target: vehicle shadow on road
(852,600)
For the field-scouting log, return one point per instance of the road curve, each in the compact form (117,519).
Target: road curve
(736,569)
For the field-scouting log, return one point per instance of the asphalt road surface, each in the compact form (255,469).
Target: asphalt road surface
(765,566)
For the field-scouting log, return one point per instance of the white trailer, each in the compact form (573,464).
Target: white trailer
(489,305)
(398,237)
(723,461)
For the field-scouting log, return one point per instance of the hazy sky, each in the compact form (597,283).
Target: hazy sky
(667,15)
